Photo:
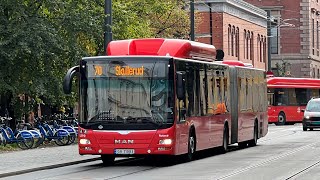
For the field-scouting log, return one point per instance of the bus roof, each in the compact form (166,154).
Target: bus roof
(162,47)
(233,63)
(288,82)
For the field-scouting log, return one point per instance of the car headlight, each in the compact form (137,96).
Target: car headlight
(84,141)
(307,117)
(165,141)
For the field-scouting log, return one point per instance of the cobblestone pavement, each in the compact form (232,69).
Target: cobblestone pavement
(18,162)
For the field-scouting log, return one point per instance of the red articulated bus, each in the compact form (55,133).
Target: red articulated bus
(288,96)
(166,97)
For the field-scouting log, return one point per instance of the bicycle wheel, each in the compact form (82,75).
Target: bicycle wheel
(2,140)
(62,137)
(38,138)
(72,138)
(24,142)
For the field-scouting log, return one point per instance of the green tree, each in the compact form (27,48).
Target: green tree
(283,68)
(40,40)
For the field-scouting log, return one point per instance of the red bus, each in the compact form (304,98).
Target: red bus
(166,97)
(288,96)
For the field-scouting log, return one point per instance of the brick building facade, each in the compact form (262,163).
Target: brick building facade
(295,40)
(236,27)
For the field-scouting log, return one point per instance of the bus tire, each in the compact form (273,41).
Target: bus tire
(224,147)
(191,146)
(281,119)
(304,128)
(254,141)
(107,159)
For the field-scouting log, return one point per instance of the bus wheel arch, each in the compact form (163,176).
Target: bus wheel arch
(281,118)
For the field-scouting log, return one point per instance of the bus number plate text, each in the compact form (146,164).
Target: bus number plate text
(124,151)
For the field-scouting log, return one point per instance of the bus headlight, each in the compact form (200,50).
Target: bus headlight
(165,141)
(84,141)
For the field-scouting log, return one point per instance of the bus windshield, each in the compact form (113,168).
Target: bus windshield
(120,94)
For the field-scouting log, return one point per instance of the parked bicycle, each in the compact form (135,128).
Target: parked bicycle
(24,139)
(37,136)
(60,136)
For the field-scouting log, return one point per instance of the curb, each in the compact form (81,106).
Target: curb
(19,172)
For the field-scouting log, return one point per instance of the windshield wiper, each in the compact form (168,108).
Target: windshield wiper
(148,120)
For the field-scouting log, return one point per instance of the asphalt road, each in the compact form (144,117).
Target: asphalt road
(286,152)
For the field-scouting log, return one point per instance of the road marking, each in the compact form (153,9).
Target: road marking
(269,160)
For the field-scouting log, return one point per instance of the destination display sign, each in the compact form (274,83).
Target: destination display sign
(129,71)
(121,69)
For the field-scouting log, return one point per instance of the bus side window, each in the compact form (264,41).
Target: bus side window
(182,104)
(203,91)
(190,90)
(210,79)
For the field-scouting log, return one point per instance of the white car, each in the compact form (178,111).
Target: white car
(311,118)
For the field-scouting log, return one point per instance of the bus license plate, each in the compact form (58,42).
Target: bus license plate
(124,151)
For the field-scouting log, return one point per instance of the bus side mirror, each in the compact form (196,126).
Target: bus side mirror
(181,90)
(67,81)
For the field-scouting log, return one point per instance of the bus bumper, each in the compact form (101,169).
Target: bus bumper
(120,152)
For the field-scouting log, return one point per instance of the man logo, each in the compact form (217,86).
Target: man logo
(117,141)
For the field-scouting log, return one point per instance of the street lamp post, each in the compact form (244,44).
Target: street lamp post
(269,39)
(107,25)
(270,24)
(192,38)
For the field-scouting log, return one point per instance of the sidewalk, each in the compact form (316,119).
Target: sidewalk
(19,162)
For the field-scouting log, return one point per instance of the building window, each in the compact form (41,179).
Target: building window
(265,49)
(247,44)
(313,31)
(244,42)
(251,46)
(317,38)
(229,39)
(313,72)
(318,73)
(233,41)
(274,40)
(258,47)
(237,42)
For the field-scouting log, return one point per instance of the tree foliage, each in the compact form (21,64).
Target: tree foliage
(283,68)
(40,39)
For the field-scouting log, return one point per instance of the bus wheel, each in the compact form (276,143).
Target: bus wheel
(281,119)
(254,141)
(107,159)
(191,147)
